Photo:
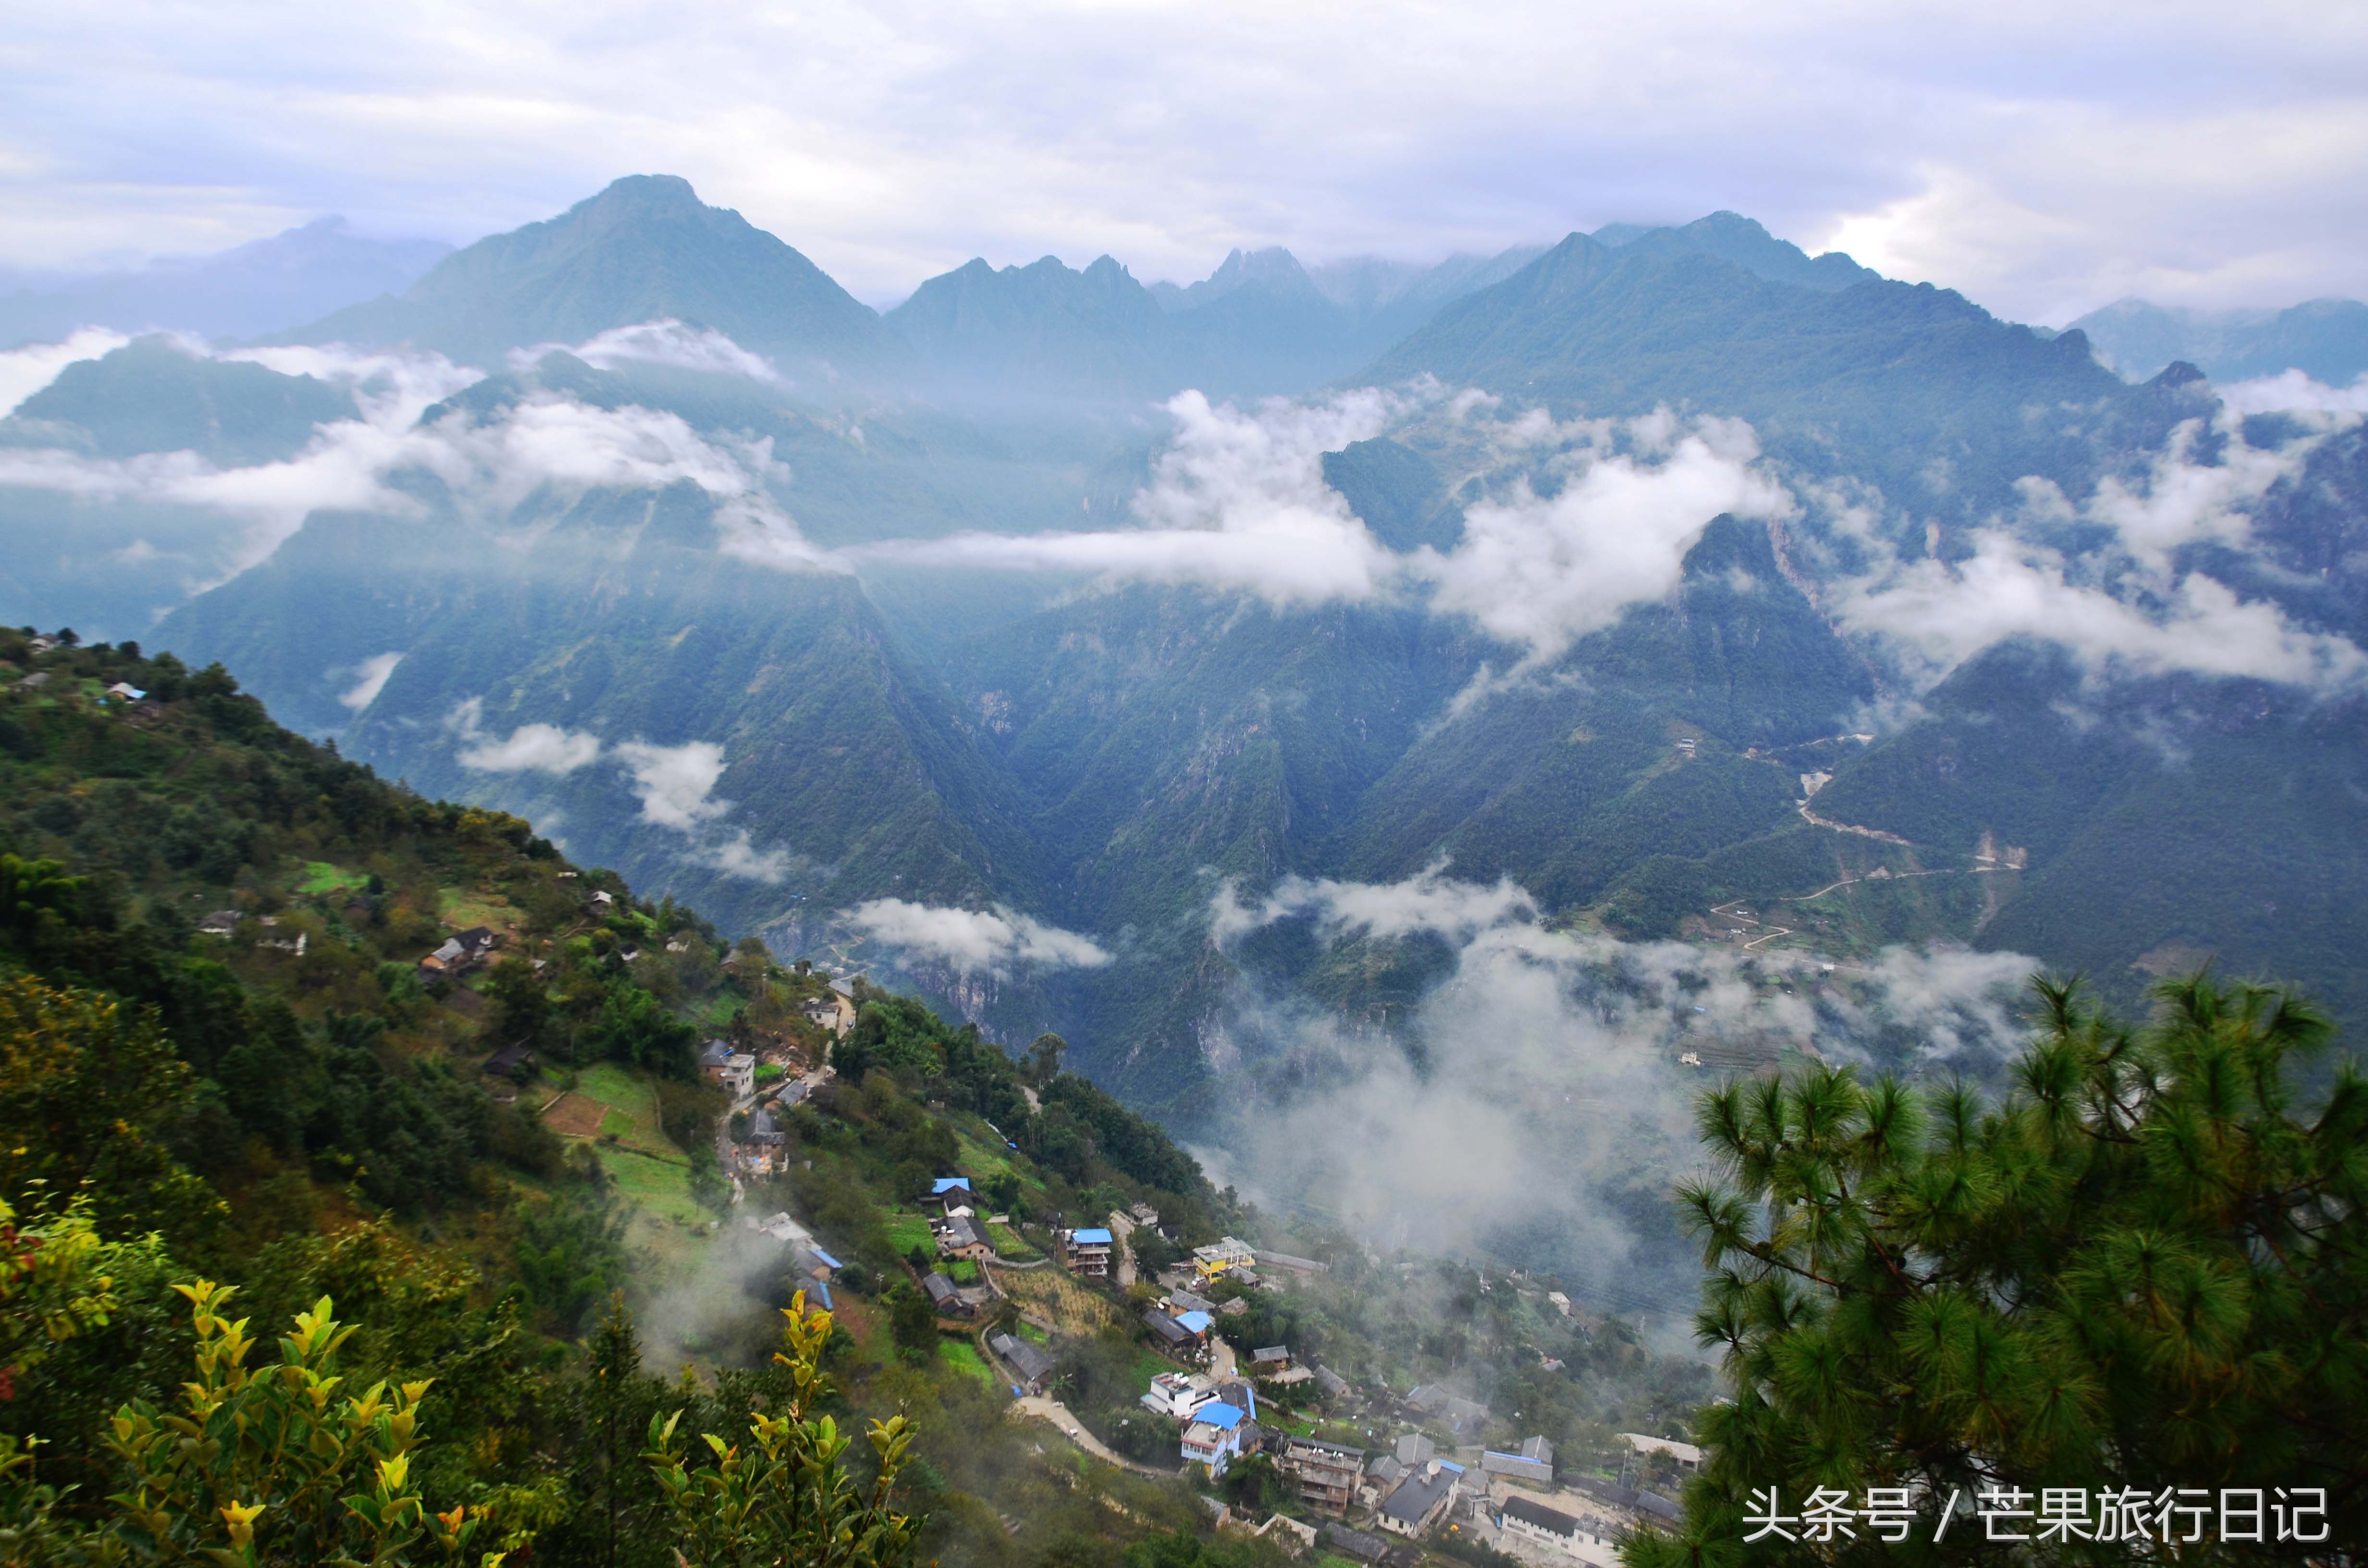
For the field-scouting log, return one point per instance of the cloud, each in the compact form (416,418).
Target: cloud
(1532,1105)
(1946,612)
(539,748)
(543,441)
(991,941)
(2292,392)
(674,782)
(24,372)
(735,856)
(668,343)
(1237,500)
(1539,573)
(2045,159)
(371,680)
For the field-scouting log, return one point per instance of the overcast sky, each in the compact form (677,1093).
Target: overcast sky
(2044,158)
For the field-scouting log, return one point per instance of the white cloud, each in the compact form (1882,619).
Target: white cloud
(1238,500)
(544,440)
(668,343)
(969,941)
(371,679)
(1542,573)
(735,856)
(1531,1103)
(24,372)
(1430,901)
(539,748)
(1946,613)
(2294,393)
(674,782)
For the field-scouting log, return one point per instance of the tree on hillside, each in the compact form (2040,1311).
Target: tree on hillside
(2146,1270)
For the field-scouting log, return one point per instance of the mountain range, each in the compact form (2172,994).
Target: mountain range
(1653,574)
(2324,339)
(264,285)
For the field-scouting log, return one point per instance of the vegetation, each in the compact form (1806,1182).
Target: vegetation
(2144,1268)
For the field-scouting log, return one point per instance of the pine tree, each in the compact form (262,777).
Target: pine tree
(2145,1267)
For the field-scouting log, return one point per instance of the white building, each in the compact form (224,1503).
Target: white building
(1178,1394)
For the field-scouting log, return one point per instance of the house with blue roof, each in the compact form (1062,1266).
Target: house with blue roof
(1214,1436)
(1088,1252)
(947,1192)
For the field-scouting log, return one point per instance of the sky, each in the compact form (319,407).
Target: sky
(2044,159)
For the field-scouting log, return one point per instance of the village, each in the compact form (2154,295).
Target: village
(1365,1475)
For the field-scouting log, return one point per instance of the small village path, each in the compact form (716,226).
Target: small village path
(1222,1360)
(1052,1409)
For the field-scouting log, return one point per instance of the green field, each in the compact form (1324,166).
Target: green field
(907,1232)
(964,1357)
(320,877)
(633,1114)
(1009,1244)
(660,1187)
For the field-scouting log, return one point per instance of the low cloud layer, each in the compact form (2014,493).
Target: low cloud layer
(676,785)
(975,941)
(370,678)
(1237,501)
(668,343)
(1533,1106)
(543,442)
(1633,496)
(2133,604)
(24,372)
(2295,392)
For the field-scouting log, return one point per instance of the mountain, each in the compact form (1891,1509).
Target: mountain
(1261,323)
(1910,386)
(644,249)
(1730,236)
(1041,328)
(152,395)
(2324,339)
(264,286)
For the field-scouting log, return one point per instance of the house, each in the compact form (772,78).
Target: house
(1419,1498)
(449,959)
(1415,1450)
(1363,1545)
(1463,1415)
(1028,1362)
(1185,1302)
(735,1072)
(35,681)
(1169,1333)
(1144,1214)
(41,643)
(1533,1462)
(1325,1473)
(1218,1257)
(1088,1252)
(1269,1358)
(1214,1436)
(1590,1540)
(943,1296)
(1195,1325)
(1643,1507)
(603,900)
(959,1237)
(1330,1382)
(502,1064)
(766,1132)
(1237,1390)
(221,923)
(1688,1456)
(1295,1265)
(126,692)
(810,1269)
(947,1192)
(1177,1395)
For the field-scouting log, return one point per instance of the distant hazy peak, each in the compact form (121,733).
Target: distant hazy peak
(1273,271)
(2326,338)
